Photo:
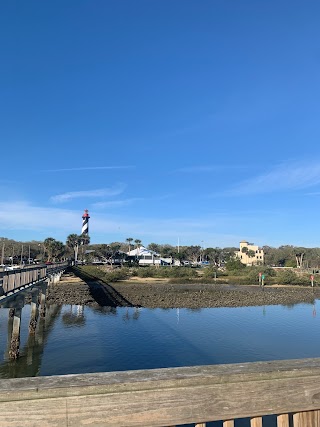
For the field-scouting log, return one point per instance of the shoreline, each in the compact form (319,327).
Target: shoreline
(74,291)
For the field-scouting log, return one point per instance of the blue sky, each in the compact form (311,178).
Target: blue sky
(195,120)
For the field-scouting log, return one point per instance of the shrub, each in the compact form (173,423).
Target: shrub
(95,272)
(145,271)
(235,266)
(164,272)
(115,275)
(287,277)
(210,272)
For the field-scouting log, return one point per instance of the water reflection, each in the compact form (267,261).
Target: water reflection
(76,339)
(74,317)
(30,357)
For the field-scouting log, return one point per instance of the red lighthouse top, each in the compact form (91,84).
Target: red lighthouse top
(86,214)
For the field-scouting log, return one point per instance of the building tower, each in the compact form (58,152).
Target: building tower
(85,223)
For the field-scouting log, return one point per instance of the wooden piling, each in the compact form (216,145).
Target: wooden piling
(15,338)
(33,318)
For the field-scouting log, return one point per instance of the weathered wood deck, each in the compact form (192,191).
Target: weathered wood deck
(168,397)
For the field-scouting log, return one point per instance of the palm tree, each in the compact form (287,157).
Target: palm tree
(84,240)
(54,248)
(48,246)
(73,242)
(138,243)
(129,240)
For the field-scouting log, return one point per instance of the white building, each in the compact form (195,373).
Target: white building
(250,254)
(147,257)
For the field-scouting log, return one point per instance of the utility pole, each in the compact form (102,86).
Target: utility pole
(21,256)
(2,254)
(201,251)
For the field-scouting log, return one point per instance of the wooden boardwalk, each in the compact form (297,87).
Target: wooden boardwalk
(15,280)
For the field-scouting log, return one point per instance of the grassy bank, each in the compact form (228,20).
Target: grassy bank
(208,275)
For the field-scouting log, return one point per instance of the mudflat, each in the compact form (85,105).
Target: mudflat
(153,294)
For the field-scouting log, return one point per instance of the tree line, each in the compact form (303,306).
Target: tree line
(78,246)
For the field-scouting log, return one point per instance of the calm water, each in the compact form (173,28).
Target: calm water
(73,339)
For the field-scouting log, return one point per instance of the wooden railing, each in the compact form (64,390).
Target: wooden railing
(168,397)
(13,280)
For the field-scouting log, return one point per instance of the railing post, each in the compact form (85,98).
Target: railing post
(228,423)
(306,419)
(283,420)
(256,422)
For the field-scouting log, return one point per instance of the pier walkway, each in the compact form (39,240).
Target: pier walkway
(16,280)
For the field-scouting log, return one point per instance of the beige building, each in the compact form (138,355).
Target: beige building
(250,254)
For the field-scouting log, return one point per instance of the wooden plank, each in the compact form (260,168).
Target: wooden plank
(306,419)
(283,420)
(201,425)
(256,422)
(228,423)
(162,397)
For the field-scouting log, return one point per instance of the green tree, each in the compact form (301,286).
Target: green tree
(234,265)
(48,247)
(113,252)
(84,242)
(53,248)
(85,239)
(137,243)
(154,247)
(167,251)
(193,253)
(73,242)
(129,240)
(251,254)
(214,256)
(287,277)
(58,250)
(245,250)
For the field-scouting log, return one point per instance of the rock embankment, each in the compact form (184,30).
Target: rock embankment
(197,296)
(72,290)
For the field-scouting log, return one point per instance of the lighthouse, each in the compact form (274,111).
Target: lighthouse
(85,223)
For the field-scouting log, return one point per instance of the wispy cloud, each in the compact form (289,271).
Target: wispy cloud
(115,203)
(209,168)
(127,202)
(98,193)
(25,221)
(314,193)
(87,168)
(24,216)
(285,176)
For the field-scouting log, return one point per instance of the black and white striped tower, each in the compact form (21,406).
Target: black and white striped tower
(85,223)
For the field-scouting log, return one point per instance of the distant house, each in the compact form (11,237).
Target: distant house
(147,257)
(250,254)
